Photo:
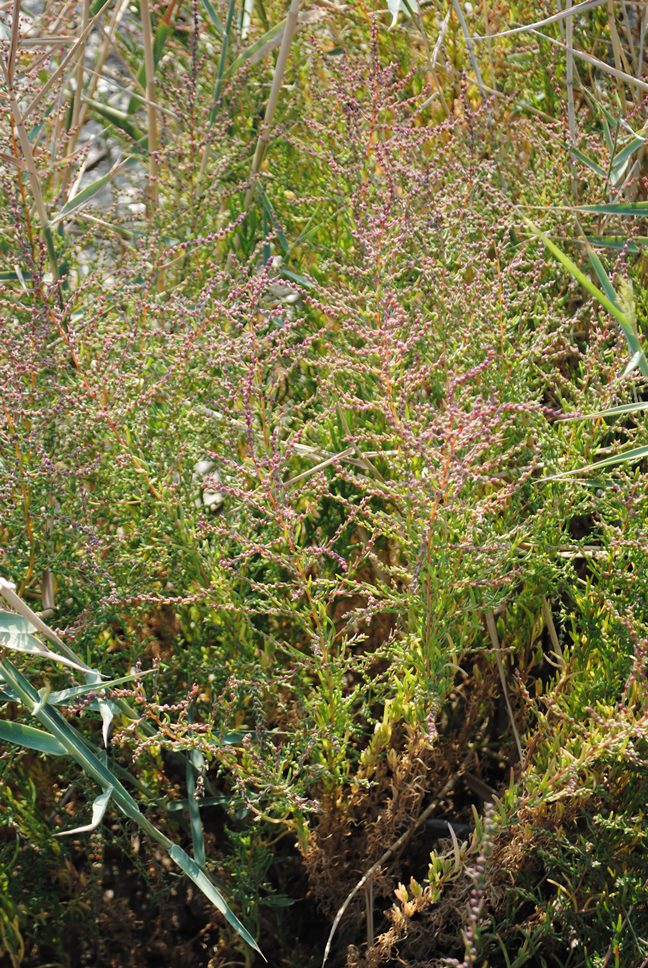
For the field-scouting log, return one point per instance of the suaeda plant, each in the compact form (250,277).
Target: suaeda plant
(300,413)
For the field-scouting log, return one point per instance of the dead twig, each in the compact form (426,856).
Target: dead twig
(396,846)
(494,637)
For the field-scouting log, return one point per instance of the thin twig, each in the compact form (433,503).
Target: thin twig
(77,105)
(396,846)
(318,467)
(74,52)
(620,75)
(571,109)
(643,30)
(551,629)
(26,42)
(571,106)
(471,48)
(494,637)
(15,36)
(151,108)
(620,61)
(563,15)
(277,80)
(32,174)
(369,904)
(431,56)
(106,48)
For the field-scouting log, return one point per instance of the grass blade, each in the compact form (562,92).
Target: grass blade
(632,209)
(162,34)
(64,696)
(200,879)
(610,412)
(221,62)
(194,810)
(68,736)
(213,17)
(262,46)
(99,808)
(615,242)
(277,80)
(73,53)
(8,592)
(602,276)
(595,62)
(74,745)
(151,107)
(584,160)
(612,307)
(15,634)
(121,120)
(274,219)
(30,738)
(83,197)
(620,160)
(636,453)
(555,18)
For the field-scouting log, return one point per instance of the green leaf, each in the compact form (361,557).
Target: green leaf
(615,310)
(194,812)
(637,453)
(105,708)
(69,740)
(602,276)
(620,160)
(8,592)
(11,622)
(278,901)
(121,120)
(607,132)
(610,412)
(31,738)
(163,32)
(200,879)
(99,808)
(15,276)
(634,245)
(638,209)
(221,62)
(274,219)
(69,737)
(63,696)
(213,17)
(592,165)
(257,50)
(15,634)
(633,363)
(84,196)
(300,280)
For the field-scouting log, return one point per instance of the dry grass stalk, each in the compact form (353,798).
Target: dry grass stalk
(368,876)
(151,108)
(494,637)
(277,80)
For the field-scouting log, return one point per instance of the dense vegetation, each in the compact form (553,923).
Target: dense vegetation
(322,441)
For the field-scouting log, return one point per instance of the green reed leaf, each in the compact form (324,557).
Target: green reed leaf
(200,879)
(99,807)
(31,738)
